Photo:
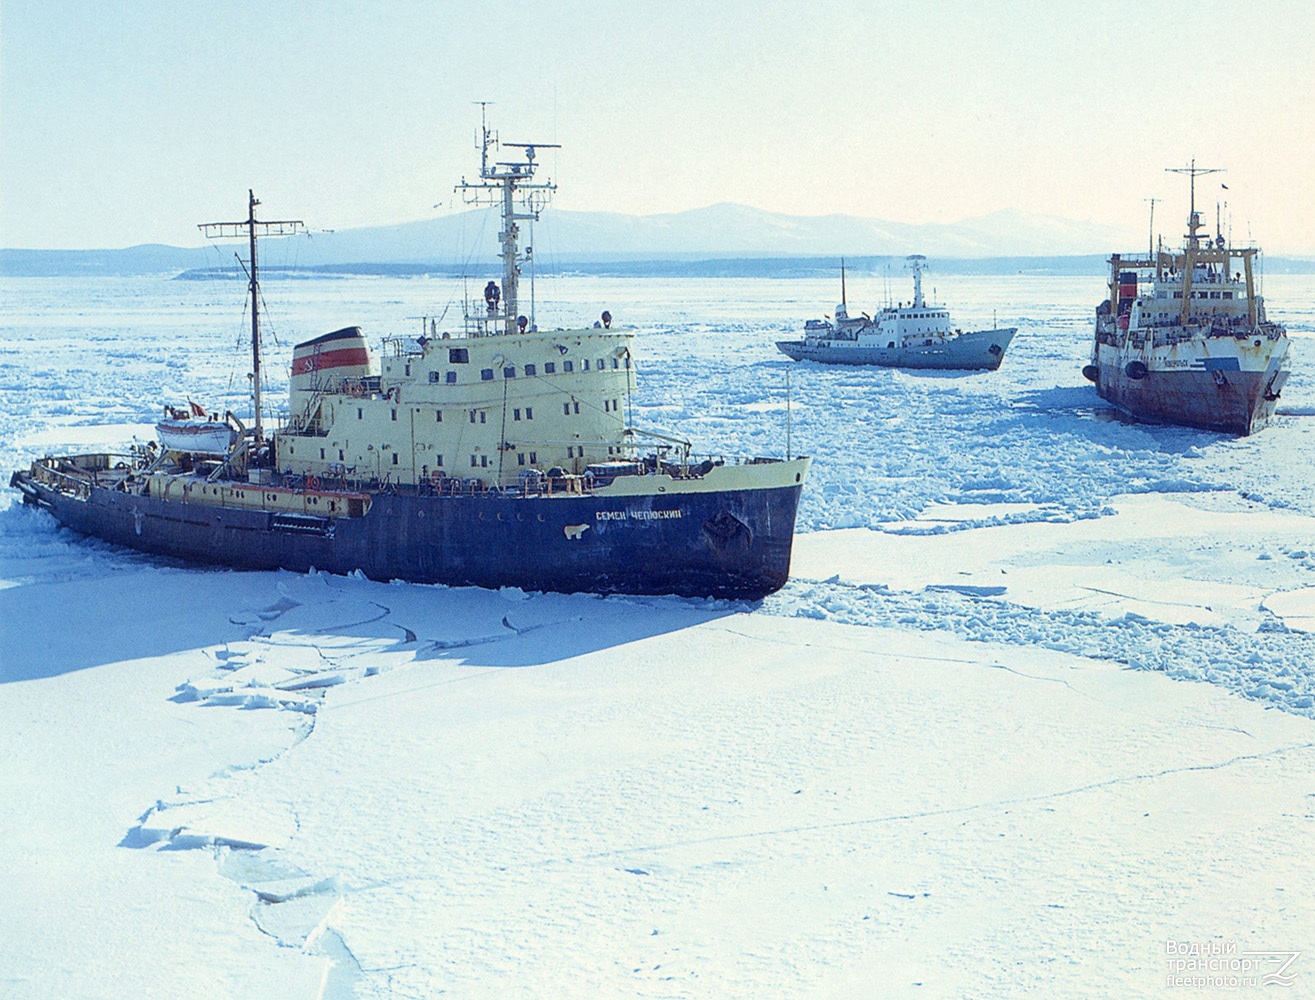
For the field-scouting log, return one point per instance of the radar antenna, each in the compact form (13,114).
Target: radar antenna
(252,227)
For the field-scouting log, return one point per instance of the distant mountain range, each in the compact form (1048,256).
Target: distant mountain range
(704,240)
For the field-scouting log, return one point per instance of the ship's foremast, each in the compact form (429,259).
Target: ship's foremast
(252,227)
(512,188)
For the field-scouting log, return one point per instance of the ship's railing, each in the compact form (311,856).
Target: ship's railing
(405,347)
(75,475)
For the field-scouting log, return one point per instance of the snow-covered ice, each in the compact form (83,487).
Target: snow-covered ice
(1036,703)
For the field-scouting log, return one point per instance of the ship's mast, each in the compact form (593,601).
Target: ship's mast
(509,186)
(227,230)
(1194,217)
(1150,236)
(915,263)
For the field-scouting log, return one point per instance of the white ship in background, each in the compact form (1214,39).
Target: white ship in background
(1183,338)
(916,335)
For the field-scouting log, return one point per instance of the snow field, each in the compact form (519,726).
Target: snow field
(924,768)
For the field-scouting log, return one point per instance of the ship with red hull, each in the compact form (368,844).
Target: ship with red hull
(494,455)
(1183,336)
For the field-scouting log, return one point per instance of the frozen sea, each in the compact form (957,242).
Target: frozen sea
(1035,714)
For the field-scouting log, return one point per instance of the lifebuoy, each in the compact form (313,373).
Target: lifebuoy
(312,482)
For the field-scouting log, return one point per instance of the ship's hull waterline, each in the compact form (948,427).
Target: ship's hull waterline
(709,543)
(1238,402)
(981,350)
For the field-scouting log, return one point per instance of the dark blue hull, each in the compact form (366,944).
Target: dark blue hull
(729,544)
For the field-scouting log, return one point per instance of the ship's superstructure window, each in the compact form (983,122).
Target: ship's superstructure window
(394,413)
(394,458)
(530,370)
(516,414)
(568,366)
(360,413)
(534,457)
(529,413)
(586,365)
(438,416)
(566,409)
(451,378)
(433,377)
(509,372)
(549,367)
(602,363)
(438,459)
(486,374)
(321,454)
(458,356)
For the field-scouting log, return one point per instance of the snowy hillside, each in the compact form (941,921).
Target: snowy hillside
(565,236)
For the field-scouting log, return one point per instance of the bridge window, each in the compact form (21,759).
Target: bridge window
(458,356)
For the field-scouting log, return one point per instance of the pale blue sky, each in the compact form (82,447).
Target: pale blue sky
(129,121)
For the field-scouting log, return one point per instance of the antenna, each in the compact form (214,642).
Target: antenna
(1150,237)
(508,184)
(787,413)
(1193,171)
(253,226)
(843,300)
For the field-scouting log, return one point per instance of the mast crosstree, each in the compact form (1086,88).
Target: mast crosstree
(252,227)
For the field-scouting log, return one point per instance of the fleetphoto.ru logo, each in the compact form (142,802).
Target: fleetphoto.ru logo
(1219,963)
